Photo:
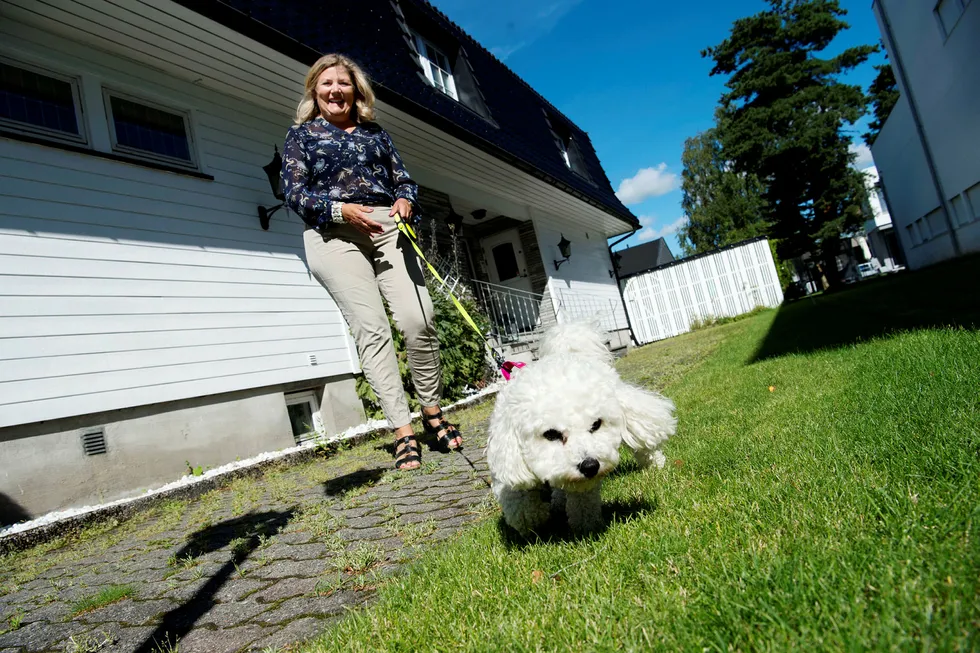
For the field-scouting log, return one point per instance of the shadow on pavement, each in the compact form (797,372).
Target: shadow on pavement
(248,529)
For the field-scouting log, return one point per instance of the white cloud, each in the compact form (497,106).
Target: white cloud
(652,233)
(863,155)
(647,183)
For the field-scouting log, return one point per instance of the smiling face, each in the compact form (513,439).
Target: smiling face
(565,418)
(334,94)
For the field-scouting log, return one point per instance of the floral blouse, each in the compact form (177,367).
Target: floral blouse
(322,164)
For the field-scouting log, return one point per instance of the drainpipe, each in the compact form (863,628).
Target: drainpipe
(900,69)
(629,323)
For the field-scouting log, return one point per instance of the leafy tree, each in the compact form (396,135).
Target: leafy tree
(782,119)
(723,206)
(883,94)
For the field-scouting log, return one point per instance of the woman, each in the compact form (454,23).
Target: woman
(343,176)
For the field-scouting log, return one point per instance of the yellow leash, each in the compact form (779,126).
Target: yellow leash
(505,366)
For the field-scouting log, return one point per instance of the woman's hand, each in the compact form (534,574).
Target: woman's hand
(358,217)
(402,207)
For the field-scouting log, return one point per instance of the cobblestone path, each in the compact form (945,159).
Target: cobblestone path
(258,564)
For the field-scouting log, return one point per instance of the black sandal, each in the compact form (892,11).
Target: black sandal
(409,453)
(450,431)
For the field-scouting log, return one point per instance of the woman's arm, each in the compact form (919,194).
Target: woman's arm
(314,208)
(405,187)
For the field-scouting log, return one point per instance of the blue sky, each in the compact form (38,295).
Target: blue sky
(630,73)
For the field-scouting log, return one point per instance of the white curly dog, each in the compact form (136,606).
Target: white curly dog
(557,428)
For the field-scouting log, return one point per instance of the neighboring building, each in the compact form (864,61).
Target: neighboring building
(633,260)
(927,151)
(147,319)
(884,249)
(675,297)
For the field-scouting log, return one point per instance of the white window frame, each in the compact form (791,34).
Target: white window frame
(446,84)
(108,93)
(563,149)
(945,29)
(307,397)
(50,134)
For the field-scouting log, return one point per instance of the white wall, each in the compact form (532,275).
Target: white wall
(943,72)
(123,286)
(581,287)
(667,301)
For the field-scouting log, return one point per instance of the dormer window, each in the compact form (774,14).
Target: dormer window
(567,147)
(436,66)
(563,150)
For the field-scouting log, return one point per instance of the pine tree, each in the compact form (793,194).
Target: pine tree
(783,120)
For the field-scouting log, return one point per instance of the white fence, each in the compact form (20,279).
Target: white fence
(666,302)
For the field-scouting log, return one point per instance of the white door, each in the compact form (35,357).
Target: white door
(505,260)
(511,312)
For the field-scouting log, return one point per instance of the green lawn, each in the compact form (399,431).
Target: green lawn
(821,493)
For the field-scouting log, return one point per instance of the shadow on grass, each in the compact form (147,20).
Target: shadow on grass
(354,480)
(907,301)
(248,531)
(557,530)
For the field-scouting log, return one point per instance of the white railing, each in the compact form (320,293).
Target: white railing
(607,311)
(514,314)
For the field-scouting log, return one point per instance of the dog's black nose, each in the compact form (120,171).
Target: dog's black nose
(589,467)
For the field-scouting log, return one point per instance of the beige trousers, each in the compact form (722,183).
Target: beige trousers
(357,270)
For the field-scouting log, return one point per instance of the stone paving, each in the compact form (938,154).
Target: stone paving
(257,565)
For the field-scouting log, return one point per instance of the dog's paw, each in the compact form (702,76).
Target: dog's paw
(646,458)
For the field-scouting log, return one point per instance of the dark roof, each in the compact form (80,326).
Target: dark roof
(370,32)
(643,257)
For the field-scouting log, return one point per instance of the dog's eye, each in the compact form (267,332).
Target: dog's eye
(552,434)
(595,426)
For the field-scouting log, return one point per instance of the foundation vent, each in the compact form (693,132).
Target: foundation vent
(93,442)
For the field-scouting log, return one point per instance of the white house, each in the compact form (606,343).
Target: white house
(147,320)
(879,231)
(927,151)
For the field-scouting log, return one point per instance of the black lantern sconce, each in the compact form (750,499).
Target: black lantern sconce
(565,248)
(454,221)
(272,171)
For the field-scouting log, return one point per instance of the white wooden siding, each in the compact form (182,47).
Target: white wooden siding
(667,301)
(188,46)
(123,286)
(581,288)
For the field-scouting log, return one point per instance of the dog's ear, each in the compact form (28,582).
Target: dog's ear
(649,420)
(505,455)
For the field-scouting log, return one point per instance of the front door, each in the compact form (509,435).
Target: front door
(505,260)
(517,311)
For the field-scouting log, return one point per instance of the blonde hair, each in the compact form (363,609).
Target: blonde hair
(363,93)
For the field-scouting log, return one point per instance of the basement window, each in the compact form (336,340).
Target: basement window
(304,415)
(40,102)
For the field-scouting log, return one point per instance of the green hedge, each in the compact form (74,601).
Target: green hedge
(461,352)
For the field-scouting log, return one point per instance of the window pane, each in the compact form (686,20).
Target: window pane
(149,129)
(35,99)
(300,418)
(505,261)
(949,12)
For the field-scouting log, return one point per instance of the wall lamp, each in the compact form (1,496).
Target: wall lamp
(565,248)
(273,170)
